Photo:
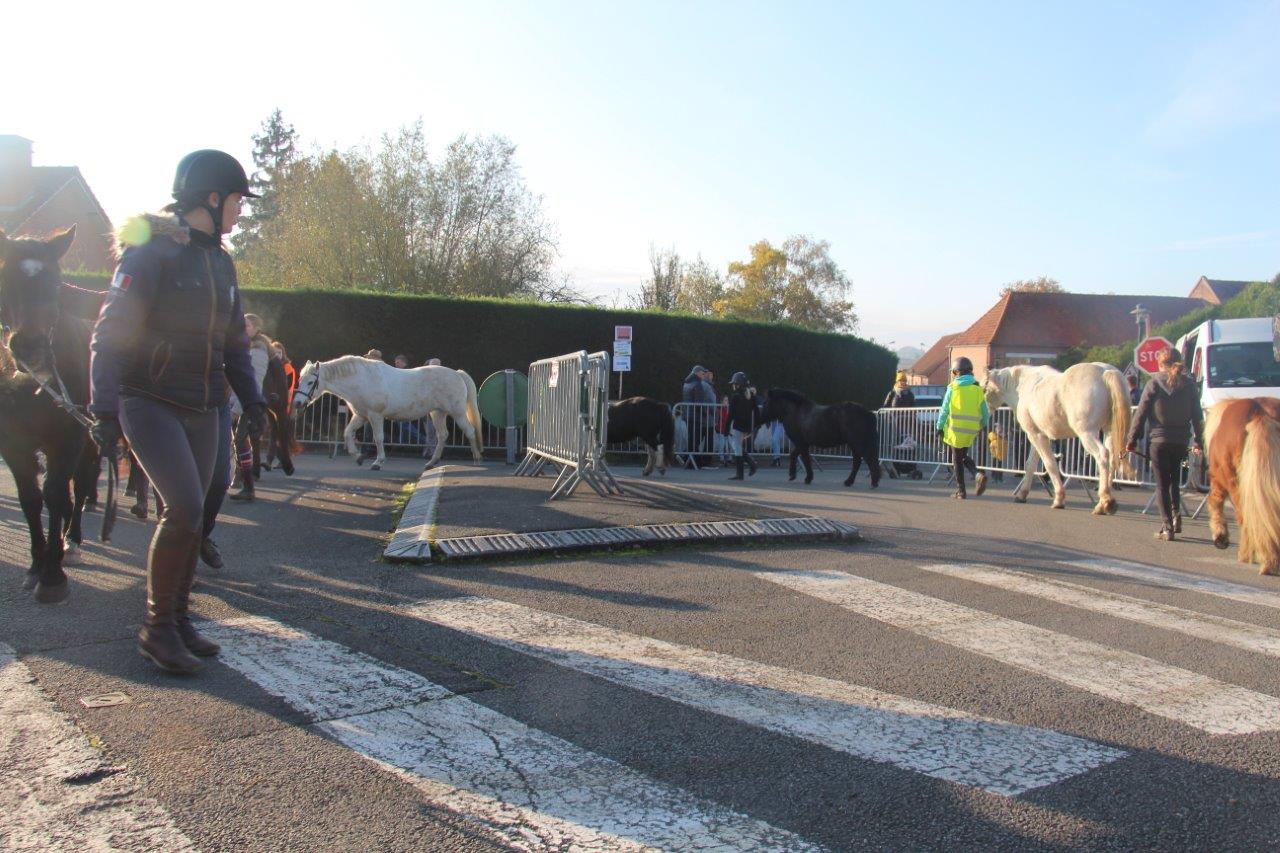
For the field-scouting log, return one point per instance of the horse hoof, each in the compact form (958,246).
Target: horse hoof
(1097,510)
(848,483)
(1111,507)
(360,461)
(55,594)
(377,466)
(1021,499)
(288,470)
(792,478)
(33,578)
(1269,570)
(1059,506)
(73,556)
(1222,542)
(808,480)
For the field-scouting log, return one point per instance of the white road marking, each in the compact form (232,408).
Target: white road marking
(1253,638)
(56,791)
(944,743)
(1158,688)
(534,790)
(1182,580)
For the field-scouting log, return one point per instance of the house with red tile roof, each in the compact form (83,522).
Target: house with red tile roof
(1216,291)
(38,200)
(934,367)
(1036,328)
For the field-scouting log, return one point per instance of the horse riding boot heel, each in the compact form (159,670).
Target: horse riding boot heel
(159,640)
(738,466)
(191,638)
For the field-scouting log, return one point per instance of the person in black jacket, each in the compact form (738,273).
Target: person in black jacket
(900,396)
(1170,406)
(169,338)
(741,422)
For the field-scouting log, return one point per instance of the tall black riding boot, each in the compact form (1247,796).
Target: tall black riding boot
(737,464)
(159,639)
(751,464)
(191,638)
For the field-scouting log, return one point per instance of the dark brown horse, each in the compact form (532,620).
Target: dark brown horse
(48,345)
(650,421)
(810,425)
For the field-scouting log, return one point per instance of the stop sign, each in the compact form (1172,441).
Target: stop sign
(1146,353)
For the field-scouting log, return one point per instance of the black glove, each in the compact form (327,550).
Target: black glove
(255,415)
(105,432)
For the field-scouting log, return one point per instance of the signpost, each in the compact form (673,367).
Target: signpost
(1147,353)
(621,353)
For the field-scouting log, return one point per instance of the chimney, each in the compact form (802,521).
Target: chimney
(15,170)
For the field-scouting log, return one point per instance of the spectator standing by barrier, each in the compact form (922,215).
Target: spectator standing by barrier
(900,396)
(961,420)
(1170,406)
(697,390)
(1135,393)
(741,413)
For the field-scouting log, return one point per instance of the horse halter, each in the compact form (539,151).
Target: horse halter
(310,394)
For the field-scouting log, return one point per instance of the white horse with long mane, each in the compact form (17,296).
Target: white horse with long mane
(375,391)
(1082,402)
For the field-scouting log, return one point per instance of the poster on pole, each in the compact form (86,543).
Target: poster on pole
(622,363)
(621,348)
(622,333)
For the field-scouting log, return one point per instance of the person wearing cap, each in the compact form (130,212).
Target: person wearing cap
(170,337)
(741,422)
(962,418)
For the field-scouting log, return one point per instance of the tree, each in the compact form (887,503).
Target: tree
(1042,284)
(799,284)
(661,292)
(274,150)
(701,287)
(393,219)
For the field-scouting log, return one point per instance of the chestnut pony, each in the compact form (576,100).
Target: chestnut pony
(1244,465)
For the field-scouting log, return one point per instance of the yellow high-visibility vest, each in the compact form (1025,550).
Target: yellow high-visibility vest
(964,423)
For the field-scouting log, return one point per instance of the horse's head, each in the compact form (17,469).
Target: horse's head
(308,385)
(778,403)
(29,282)
(999,388)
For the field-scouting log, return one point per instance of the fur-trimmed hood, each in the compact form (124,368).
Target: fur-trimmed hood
(145,227)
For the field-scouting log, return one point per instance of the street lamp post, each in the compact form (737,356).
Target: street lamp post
(1142,317)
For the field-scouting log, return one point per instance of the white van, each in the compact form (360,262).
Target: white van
(1234,358)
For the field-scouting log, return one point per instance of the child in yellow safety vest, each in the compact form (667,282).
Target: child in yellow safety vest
(961,420)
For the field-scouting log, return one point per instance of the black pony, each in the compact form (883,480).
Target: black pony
(648,420)
(54,347)
(279,437)
(809,425)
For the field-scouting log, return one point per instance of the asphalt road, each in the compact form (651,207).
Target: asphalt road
(977,675)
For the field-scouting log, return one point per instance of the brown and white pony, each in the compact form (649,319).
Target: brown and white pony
(1244,464)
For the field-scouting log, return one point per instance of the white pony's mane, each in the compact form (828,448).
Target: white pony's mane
(342,366)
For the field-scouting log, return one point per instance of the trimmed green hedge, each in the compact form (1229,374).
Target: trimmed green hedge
(485,335)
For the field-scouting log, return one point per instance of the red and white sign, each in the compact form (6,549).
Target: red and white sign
(622,333)
(1145,354)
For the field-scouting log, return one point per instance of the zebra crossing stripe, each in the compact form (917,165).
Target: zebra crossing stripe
(1253,638)
(532,789)
(1180,580)
(943,743)
(56,791)
(1158,688)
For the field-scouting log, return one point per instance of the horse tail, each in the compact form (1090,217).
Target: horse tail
(473,415)
(667,435)
(1259,479)
(1120,415)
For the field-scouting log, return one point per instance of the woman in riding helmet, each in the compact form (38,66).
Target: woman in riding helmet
(962,418)
(170,336)
(741,422)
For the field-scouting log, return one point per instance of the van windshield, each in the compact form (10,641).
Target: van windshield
(1246,365)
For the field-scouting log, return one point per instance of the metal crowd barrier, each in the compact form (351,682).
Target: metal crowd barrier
(699,440)
(568,422)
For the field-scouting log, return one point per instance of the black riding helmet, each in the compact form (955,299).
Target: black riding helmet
(962,366)
(209,171)
(738,379)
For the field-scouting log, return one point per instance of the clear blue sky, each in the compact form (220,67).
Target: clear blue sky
(942,148)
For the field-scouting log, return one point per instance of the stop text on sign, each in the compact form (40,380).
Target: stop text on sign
(1147,354)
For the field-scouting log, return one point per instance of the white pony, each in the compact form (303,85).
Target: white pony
(1082,402)
(374,391)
